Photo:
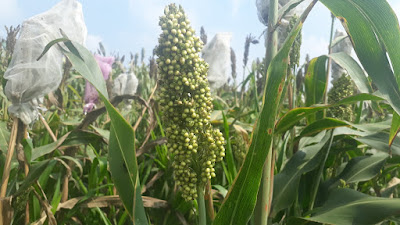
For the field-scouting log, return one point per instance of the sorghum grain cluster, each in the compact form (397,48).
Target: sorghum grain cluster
(186,103)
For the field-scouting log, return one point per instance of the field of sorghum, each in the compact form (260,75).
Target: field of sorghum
(90,138)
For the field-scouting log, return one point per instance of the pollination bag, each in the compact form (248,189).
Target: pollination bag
(217,53)
(342,46)
(29,79)
(263,9)
(125,84)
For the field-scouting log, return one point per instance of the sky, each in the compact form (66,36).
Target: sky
(126,26)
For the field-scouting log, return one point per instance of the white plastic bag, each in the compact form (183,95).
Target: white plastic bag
(342,46)
(217,53)
(263,8)
(29,79)
(125,84)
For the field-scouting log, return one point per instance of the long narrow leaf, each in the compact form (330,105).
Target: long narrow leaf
(286,182)
(293,116)
(122,157)
(241,199)
(373,29)
(348,207)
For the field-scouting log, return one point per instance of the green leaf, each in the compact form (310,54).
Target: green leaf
(354,70)
(361,168)
(84,62)
(288,120)
(241,199)
(4,136)
(287,181)
(80,137)
(395,128)
(322,124)
(373,29)
(56,196)
(34,173)
(385,23)
(373,127)
(28,148)
(379,141)
(122,157)
(46,149)
(229,154)
(315,83)
(348,207)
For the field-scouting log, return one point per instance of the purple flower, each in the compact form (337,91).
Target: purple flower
(105,64)
(91,95)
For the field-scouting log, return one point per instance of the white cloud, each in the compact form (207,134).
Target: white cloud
(313,46)
(92,42)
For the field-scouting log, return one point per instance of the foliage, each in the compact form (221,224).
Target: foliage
(114,167)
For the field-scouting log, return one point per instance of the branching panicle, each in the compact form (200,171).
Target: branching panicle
(186,103)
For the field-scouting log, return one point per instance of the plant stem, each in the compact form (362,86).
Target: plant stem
(7,168)
(202,206)
(10,153)
(265,191)
(209,200)
(264,196)
(329,63)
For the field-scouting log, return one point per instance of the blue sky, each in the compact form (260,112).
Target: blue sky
(128,25)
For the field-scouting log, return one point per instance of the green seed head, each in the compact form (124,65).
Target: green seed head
(195,144)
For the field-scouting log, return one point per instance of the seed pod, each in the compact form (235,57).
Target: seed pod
(186,103)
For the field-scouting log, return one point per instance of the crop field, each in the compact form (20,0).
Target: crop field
(190,135)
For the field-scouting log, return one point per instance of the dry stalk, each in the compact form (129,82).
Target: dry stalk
(10,153)
(46,125)
(145,108)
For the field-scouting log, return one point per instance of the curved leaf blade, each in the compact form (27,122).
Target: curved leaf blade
(361,168)
(348,207)
(315,83)
(371,26)
(288,120)
(241,199)
(286,182)
(354,70)
(122,157)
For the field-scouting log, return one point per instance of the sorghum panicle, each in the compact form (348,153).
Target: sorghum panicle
(186,103)
(342,87)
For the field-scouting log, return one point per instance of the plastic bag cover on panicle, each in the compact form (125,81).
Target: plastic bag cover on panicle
(29,79)
(342,46)
(217,53)
(263,8)
(125,84)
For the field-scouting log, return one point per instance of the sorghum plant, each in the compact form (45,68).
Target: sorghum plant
(186,104)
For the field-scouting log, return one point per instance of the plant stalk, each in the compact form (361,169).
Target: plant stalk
(7,168)
(10,153)
(264,196)
(202,206)
(271,43)
(329,63)
(209,200)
